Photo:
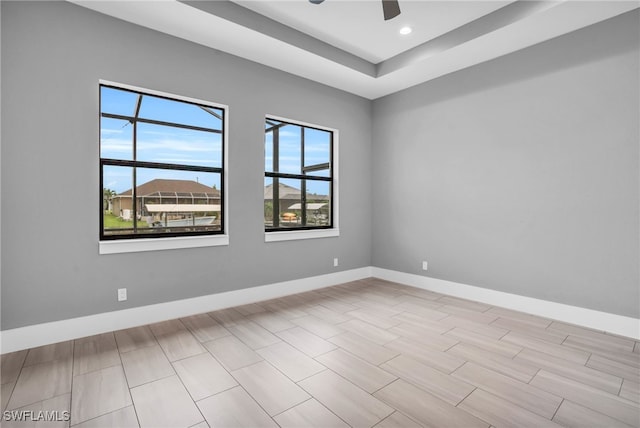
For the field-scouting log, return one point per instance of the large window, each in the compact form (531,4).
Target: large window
(161,165)
(298,178)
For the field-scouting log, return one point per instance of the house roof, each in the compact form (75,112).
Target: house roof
(165,187)
(289,192)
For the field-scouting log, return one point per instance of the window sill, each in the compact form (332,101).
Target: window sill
(158,244)
(300,234)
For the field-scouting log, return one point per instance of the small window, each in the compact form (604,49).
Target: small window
(298,178)
(161,165)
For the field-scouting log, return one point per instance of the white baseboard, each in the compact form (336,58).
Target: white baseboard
(52,332)
(603,321)
(74,328)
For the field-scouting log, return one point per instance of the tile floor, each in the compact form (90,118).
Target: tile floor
(362,354)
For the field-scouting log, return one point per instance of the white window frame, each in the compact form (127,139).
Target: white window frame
(177,242)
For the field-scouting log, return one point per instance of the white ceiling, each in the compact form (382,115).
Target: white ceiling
(358,26)
(348,45)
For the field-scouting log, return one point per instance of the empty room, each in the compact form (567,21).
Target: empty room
(320,213)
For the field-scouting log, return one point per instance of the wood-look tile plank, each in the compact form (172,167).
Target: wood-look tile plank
(94,353)
(595,399)
(145,365)
(254,336)
(446,387)
(234,408)
(363,348)
(5,393)
(530,330)
(443,361)
(425,336)
(135,338)
(293,363)
(180,344)
(464,303)
(204,327)
(426,408)
(58,406)
(471,315)
(309,414)
(517,370)
(569,354)
(571,370)
(203,376)
(573,415)
(250,309)
(359,372)
(271,389)
(227,317)
(421,322)
(523,395)
(271,321)
(483,342)
(165,403)
(232,353)
(397,420)
(345,294)
(317,326)
(306,342)
(534,320)
(502,413)
(55,351)
(620,342)
(166,327)
(369,331)
(326,314)
(630,390)
(10,366)
(489,330)
(421,294)
(285,309)
(376,318)
(421,310)
(40,382)
(99,392)
(346,400)
(337,305)
(614,367)
(123,418)
(599,346)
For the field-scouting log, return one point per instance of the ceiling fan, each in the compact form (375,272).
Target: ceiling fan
(390,8)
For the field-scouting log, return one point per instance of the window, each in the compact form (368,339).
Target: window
(161,165)
(299,176)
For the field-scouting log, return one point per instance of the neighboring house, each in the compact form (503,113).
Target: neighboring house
(290,202)
(160,196)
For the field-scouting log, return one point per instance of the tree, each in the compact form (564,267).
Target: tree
(107,195)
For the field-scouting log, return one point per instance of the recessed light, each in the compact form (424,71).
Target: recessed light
(406,30)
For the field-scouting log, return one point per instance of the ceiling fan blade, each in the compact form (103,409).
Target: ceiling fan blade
(390,9)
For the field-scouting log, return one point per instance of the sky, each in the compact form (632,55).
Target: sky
(164,144)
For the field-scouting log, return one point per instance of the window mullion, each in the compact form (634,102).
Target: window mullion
(275,190)
(303,183)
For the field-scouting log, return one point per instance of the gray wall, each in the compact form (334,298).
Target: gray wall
(53,54)
(520,174)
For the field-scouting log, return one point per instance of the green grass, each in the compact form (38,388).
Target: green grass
(114,222)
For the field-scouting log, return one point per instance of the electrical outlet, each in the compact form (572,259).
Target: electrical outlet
(424,265)
(335,262)
(122,294)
